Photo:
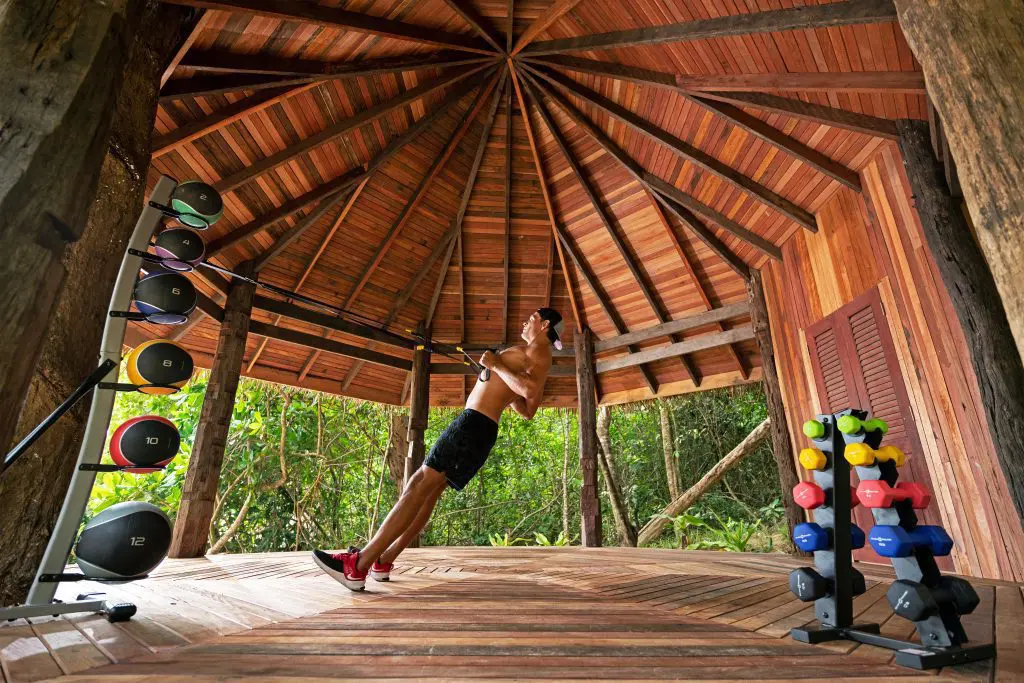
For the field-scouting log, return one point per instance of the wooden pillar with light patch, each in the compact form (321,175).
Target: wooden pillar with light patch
(586,387)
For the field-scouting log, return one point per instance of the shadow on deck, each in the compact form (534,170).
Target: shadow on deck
(485,613)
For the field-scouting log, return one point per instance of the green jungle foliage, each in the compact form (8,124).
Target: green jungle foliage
(304,470)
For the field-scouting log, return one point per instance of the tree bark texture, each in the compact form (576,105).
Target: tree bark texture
(103,193)
(623,526)
(782,447)
(668,446)
(972,55)
(678,506)
(972,289)
(586,387)
(199,493)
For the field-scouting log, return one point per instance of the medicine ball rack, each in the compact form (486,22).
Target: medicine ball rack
(943,639)
(103,382)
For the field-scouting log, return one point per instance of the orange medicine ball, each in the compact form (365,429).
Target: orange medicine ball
(159,362)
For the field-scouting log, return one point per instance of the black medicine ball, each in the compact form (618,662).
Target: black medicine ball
(148,441)
(159,361)
(198,204)
(124,541)
(165,297)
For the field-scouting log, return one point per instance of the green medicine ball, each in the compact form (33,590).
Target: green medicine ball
(198,204)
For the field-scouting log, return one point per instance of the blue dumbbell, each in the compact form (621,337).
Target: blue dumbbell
(810,537)
(895,541)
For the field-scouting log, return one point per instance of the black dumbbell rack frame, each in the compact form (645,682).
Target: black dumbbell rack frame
(942,635)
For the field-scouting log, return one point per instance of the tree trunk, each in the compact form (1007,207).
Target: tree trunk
(653,528)
(586,389)
(565,478)
(668,447)
(32,491)
(973,60)
(195,513)
(623,526)
(782,447)
(398,448)
(972,291)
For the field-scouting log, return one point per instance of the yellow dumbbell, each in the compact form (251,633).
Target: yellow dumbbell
(887,453)
(813,459)
(860,455)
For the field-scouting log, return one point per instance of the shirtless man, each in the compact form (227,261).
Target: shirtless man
(517,379)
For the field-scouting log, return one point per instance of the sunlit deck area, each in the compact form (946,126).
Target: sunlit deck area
(486,613)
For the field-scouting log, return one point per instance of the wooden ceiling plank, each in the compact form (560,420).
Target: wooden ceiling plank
(295,10)
(449,238)
(808,111)
(595,202)
(508,199)
(683,149)
(223,117)
(660,187)
(420,192)
(547,198)
(200,25)
(733,114)
(342,127)
(352,177)
(549,16)
(705,235)
(223,61)
(479,24)
(591,280)
(701,343)
(335,226)
(297,230)
(799,18)
(691,272)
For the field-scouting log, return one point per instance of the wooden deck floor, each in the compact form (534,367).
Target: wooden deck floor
(485,613)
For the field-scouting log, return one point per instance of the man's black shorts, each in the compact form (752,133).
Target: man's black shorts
(463,447)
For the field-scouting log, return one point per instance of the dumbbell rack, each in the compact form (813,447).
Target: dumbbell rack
(41,598)
(942,635)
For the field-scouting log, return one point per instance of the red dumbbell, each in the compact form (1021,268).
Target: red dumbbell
(809,496)
(878,494)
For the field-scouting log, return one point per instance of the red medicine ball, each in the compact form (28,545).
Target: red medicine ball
(145,443)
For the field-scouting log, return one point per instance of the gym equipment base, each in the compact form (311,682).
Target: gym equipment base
(911,655)
(114,611)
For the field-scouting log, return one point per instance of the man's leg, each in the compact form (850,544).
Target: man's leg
(422,489)
(403,541)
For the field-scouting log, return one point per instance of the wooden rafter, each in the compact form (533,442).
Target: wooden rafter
(704,341)
(449,238)
(547,198)
(223,117)
(346,180)
(200,25)
(335,226)
(221,61)
(508,200)
(692,154)
(682,203)
(364,117)
(295,10)
(692,275)
(663,330)
(480,24)
(809,17)
(541,23)
(508,25)
(623,250)
(417,197)
(731,113)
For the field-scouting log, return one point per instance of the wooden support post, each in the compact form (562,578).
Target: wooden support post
(419,409)
(975,298)
(586,386)
(782,447)
(972,56)
(195,514)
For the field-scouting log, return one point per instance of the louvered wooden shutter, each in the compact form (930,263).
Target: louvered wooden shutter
(855,365)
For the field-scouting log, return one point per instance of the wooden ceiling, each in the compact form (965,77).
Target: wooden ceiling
(465,162)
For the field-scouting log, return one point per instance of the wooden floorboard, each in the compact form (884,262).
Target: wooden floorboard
(485,614)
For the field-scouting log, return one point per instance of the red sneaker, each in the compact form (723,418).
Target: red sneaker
(342,567)
(381,572)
